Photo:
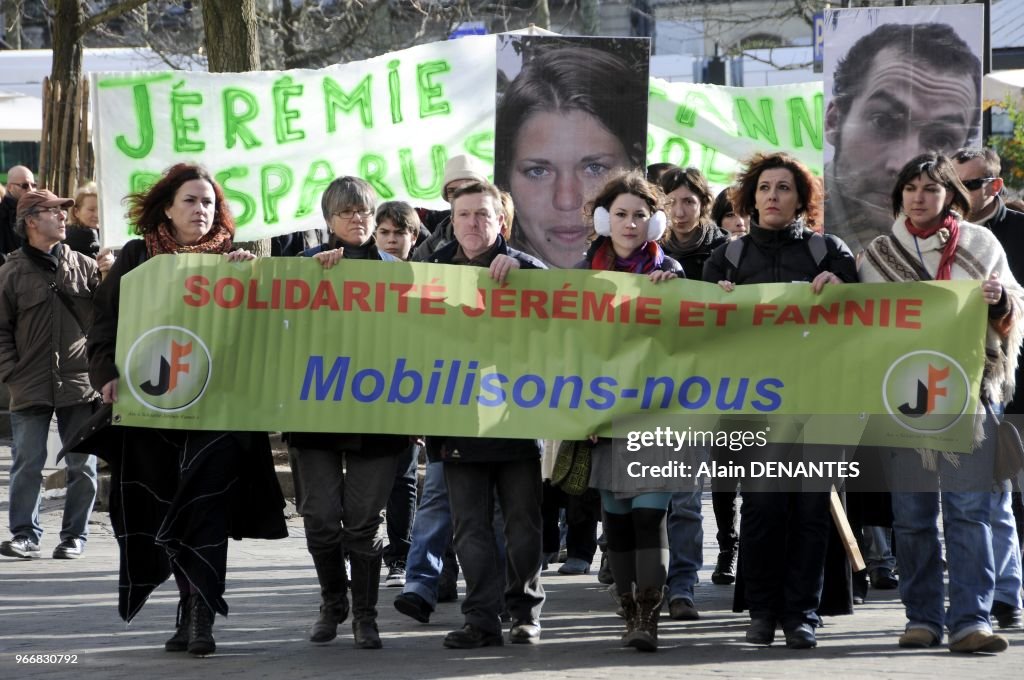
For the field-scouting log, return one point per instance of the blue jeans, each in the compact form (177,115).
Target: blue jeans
(30,428)
(966,512)
(878,548)
(1005,550)
(431,534)
(686,544)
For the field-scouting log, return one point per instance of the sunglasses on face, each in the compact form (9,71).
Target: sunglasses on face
(977,183)
(25,185)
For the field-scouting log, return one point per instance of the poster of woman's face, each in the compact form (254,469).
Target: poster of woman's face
(571,113)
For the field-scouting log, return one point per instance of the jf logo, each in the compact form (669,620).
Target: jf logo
(925,391)
(168,368)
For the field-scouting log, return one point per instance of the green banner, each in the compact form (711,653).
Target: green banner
(282,344)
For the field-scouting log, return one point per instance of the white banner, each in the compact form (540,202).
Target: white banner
(275,139)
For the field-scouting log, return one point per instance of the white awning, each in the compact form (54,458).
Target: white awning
(21,117)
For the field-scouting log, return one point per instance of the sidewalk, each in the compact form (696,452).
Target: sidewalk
(69,608)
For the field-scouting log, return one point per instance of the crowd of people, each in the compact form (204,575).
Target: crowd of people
(568,192)
(178,495)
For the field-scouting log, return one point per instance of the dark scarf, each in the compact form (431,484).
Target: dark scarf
(950,223)
(700,239)
(161,242)
(46,261)
(645,259)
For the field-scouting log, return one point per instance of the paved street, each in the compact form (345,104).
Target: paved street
(69,608)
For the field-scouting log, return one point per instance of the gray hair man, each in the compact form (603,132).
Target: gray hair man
(46,294)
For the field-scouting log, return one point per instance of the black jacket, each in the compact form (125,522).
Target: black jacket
(9,240)
(780,256)
(1008,227)
(483,449)
(692,258)
(85,240)
(446,254)
(107,299)
(438,224)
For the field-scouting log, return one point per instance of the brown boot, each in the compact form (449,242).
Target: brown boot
(627,609)
(644,636)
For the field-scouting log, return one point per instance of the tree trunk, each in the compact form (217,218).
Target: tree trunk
(232,41)
(232,46)
(61,144)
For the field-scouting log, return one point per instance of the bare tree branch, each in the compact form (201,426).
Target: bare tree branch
(111,12)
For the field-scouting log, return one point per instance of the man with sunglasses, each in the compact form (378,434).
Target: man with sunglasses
(20,181)
(979,171)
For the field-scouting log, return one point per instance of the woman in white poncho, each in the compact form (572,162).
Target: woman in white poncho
(930,241)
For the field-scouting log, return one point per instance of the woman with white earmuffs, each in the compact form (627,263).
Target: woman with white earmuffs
(629,220)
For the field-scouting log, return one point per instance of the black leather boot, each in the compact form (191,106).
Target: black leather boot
(200,634)
(365,587)
(330,572)
(179,641)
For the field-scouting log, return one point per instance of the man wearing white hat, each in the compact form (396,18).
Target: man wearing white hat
(458,171)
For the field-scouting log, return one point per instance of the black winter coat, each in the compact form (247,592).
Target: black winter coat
(9,241)
(148,484)
(780,256)
(669,264)
(1008,227)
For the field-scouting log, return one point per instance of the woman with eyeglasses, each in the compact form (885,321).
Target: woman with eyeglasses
(177,495)
(359,468)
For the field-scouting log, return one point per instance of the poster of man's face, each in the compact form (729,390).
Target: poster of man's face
(899,82)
